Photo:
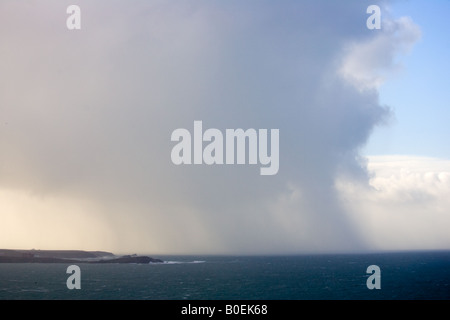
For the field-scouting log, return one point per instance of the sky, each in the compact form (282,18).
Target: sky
(417,93)
(87,116)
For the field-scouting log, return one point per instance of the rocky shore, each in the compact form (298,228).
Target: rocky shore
(70,256)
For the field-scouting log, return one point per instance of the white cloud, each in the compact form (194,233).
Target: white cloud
(404,206)
(367,64)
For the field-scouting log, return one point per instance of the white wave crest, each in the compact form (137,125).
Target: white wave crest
(183,262)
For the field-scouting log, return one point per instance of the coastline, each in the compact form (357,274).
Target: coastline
(70,256)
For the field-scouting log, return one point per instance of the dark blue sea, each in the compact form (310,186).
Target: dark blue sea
(407,275)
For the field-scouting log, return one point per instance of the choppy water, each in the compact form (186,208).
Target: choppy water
(403,276)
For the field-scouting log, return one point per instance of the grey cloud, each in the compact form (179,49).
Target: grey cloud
(90,114)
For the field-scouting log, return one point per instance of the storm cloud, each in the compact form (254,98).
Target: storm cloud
(87,116)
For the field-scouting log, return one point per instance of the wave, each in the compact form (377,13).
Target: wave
(183,262)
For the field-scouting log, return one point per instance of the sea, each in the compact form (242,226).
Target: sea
(402,276)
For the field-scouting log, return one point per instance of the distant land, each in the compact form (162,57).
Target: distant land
(70,256)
